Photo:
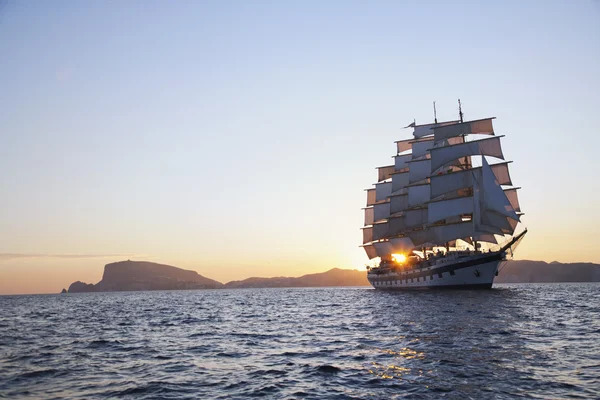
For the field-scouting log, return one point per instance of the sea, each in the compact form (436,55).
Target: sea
(514,341)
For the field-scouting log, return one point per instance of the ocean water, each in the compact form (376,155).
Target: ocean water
(531,341)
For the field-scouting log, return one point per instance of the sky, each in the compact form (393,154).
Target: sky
(236,138)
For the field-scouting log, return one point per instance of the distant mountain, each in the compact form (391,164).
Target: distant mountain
(333,277)
(525,271)
(143,275)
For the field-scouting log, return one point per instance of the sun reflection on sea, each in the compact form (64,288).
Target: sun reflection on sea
(396,370)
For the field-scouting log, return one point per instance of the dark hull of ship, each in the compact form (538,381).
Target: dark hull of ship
(472,272)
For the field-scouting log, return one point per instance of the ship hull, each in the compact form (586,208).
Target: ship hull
(475,272)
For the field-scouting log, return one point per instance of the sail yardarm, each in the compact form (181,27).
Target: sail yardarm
(481,126)
(384,173)
(487,147)
(441,210)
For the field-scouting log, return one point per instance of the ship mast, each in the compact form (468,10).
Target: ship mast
(422,199)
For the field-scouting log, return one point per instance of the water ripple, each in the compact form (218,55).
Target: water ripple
(531,341)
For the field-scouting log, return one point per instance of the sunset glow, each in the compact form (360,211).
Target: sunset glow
(399,258)
(237,140)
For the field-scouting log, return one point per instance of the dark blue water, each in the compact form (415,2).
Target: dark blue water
(538,341)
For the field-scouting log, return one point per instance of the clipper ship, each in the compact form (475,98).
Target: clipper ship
(446,214)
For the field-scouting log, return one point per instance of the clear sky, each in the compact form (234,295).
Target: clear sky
(235,138)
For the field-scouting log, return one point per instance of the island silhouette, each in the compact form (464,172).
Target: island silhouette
(144,275)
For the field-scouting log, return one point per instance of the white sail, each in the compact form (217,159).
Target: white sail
(383,190)
(367,235)
(381,211)
(418,195)
(511,194)
(380,231)
(482,126)
(444,183)
(370,250)
(441,210)
(420,148)
(432,196)
(384,173)
(495,223)
(494,198)
(445,233)
(407,144)
(420,237)
(396,226)
(371,197)
(400,180)
(485,237)
(400,162)
(401,245)
(383,249)
(419,170)
(441,156)
(415,218)
(369,216)
(398,203)
(426,129)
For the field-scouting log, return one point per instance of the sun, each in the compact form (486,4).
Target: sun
(400,258)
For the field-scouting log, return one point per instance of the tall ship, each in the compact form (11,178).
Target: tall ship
(446,214)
